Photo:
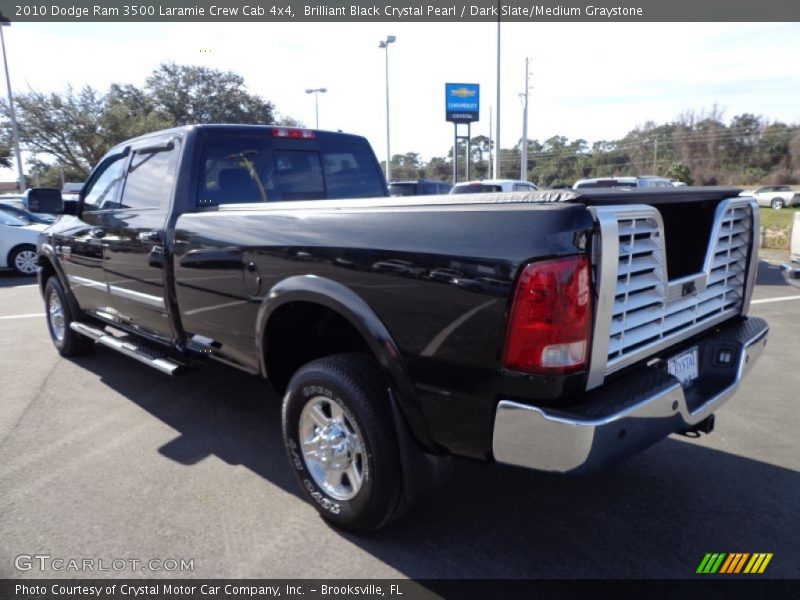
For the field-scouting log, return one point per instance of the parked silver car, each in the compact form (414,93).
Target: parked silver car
(775,196)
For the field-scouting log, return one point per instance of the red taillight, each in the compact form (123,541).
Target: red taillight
(293,133)
(551,316)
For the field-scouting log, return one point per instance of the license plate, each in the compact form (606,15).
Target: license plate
(684,366)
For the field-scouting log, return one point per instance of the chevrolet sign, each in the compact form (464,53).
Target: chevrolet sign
(462,102)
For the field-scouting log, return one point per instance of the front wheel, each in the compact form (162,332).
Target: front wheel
(59,316)
(23,260)
(777,203)
(341,442)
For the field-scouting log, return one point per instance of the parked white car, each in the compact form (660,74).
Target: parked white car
(18,243)
(493,185)
(776,196)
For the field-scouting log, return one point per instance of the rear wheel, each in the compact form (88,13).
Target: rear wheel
(341,442)
(23,259)
(59,316)
(777,203)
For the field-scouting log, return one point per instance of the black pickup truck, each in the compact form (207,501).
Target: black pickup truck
(559,331)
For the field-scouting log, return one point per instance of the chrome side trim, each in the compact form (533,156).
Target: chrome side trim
(86,282)
(551,440)
(141,298)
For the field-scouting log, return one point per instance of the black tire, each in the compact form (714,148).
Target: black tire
(366,441)
(66,341)
(777,203)
(23,260)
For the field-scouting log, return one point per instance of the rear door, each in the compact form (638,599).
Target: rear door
(134,237)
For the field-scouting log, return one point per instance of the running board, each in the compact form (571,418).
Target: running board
(145,355)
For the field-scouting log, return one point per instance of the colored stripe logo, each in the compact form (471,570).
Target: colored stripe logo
(734,563)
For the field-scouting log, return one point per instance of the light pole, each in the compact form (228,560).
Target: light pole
(390,39)
(316,92)
(12,113)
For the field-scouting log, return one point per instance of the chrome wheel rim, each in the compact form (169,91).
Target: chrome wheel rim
(55,313)
(25,262)
(332,448)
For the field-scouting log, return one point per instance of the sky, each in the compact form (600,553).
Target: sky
(588,80)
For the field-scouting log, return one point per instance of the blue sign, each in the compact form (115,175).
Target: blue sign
(462,102)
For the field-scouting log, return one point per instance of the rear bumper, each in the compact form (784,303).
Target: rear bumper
(625,416)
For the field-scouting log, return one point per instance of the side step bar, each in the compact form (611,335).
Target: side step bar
(151,358)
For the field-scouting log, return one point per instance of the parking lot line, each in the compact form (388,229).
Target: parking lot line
(781,299)
(28,316)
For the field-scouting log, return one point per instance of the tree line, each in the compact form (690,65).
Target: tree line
(698,148)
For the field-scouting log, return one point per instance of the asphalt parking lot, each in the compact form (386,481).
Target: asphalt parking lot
(103,458)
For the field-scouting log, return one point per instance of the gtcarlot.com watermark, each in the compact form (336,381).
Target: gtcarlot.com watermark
(46,562)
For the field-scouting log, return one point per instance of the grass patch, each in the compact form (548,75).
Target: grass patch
(778,224)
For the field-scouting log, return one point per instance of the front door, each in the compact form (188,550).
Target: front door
(79,245)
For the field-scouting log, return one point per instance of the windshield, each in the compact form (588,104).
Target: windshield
(403,189)
(11,221)
(24,215)
(475,188)
(605,183)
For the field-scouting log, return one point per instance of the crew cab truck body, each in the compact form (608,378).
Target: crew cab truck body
(622,316)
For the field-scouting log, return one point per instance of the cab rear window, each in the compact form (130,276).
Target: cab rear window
(251,169)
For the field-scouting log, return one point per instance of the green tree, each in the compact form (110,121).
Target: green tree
(188,94)
(680,172)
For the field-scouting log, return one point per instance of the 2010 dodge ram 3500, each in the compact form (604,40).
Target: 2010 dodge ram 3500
(559,331)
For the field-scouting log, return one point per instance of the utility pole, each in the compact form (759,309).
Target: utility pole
(524,163)
(655,157)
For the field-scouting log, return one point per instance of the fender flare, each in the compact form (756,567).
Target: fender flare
(348,304)
(47,252)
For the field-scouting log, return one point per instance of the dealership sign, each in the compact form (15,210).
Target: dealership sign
(462,102)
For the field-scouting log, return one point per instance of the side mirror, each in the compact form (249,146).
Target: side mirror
(45,200)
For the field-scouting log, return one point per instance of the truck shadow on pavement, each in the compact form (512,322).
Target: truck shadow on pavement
(769,274)
(9,278)
(655,515)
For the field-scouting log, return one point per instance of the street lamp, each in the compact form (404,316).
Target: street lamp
(316,92)
(12,112)
(390,39)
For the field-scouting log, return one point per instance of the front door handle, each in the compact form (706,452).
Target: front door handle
(97,232)
(150,236)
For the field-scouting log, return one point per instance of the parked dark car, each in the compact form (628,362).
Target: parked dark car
(418,187)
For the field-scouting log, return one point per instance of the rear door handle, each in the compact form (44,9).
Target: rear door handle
(150,236)
(97,232)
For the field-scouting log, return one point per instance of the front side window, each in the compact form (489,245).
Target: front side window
(102,191)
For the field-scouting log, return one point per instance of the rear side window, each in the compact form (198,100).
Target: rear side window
(150,178)
(249,169)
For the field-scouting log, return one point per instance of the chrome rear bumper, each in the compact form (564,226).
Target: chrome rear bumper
(630,414)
